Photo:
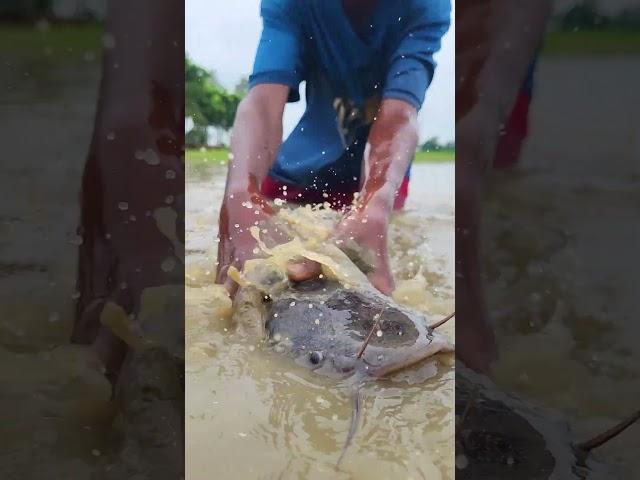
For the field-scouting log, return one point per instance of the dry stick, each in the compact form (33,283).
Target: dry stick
(370,334)
(443,321)
(609,434)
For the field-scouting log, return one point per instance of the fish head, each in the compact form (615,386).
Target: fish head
(324,326)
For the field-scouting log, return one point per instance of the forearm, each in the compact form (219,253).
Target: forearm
(518,28)
(391,147)
(256,138)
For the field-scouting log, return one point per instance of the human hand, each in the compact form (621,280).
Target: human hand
(362,235)
(240,212)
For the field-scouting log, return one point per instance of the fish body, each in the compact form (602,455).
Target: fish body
(323,326)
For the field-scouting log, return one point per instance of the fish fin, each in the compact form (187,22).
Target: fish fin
(613,432)
(356,403)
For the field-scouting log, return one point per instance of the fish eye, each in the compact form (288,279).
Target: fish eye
(316,357)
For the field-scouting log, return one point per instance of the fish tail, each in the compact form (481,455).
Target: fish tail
(356,403)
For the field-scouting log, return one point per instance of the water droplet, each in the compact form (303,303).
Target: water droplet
(461,462)
(168,264)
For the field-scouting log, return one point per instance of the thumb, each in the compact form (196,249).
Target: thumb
(303,270)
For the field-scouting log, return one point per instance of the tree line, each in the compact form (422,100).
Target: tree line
(208,105)
(587,15)
(433,144)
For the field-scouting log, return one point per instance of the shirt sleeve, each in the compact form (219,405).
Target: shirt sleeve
(411,65)
(279,55)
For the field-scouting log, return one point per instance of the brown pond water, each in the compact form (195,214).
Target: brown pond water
(252,414)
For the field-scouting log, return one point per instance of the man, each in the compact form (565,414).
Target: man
(367,65)
(134,177)
(496,42)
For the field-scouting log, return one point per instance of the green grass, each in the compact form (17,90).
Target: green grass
(220,155)
(438,156)
(210,155)
(55,40)
(592,42)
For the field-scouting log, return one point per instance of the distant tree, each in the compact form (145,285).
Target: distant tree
(196,137)
(242,87)
(583,16)
(431,145)
(627,18)
(208,103)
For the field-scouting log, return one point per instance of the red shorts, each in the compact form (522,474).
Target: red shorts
(337,198)
(516,129)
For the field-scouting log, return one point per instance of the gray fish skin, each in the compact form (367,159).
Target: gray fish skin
(323,326)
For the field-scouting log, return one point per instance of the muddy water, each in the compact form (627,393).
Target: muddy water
(54,400)
(251,414)
(561,299)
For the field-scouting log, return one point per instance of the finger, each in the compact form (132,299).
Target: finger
(231,286)
(382,281)
(303,270)
(221,272)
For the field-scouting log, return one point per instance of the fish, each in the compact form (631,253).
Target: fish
(501,436)
(336,330)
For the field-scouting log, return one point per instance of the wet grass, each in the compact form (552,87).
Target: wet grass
(220,156)
(592,43)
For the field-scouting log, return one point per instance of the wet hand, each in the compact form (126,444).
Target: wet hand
(362,235)
(238,214)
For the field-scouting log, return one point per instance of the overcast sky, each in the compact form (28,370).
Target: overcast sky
(224,39)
